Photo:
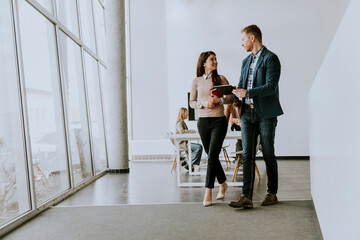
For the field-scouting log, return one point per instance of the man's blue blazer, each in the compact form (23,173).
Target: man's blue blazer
(265,91)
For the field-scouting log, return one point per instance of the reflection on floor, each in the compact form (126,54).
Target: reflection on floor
(151,182)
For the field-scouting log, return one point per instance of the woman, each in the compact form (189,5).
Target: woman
(232,114)
(212,124)
(196,149)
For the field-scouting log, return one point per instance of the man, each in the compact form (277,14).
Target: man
(259,91)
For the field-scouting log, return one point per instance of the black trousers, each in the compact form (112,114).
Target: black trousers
(212,132)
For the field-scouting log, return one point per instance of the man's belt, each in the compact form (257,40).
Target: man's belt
(249,106)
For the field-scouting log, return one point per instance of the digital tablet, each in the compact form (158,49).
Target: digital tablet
(225,89)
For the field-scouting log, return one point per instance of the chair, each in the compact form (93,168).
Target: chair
(175,160)
(226,155)
(175,150)
(239,161)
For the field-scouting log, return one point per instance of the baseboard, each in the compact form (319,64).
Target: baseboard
(288,158)
(171,156)
(127,170)
(152,157)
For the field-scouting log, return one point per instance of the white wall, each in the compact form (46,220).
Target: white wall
(148,68)
(298,31)
(334,133)
(148,76)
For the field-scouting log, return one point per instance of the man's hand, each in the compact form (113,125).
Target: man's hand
(240,93)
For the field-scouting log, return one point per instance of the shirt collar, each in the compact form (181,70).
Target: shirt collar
(257,54)
(207,76)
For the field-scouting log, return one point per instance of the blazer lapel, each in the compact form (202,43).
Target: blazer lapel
(261,58)
(246,73)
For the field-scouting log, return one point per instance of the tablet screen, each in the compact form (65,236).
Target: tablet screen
(225,89)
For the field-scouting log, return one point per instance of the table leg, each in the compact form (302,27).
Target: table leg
(178,166)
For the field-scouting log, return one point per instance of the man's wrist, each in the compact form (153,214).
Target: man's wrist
(247,93)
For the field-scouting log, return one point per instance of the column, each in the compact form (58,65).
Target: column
(114,87)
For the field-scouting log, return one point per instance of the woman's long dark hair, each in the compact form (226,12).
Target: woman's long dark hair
(200,70)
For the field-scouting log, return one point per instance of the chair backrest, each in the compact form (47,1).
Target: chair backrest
(182,151)
(171,139)
(226,143)
(258,148)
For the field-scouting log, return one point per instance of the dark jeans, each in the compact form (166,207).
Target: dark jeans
(251,126)
(196,152)
(212,132)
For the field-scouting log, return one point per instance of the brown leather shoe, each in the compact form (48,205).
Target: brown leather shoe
(243,202)
(269,199)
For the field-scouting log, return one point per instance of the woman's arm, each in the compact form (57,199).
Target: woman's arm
(227,99)
(227,111)
(182,128)
(194,103)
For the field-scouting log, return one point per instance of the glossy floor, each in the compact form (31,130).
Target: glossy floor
(152,182)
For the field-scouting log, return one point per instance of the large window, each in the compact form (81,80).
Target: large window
(44,104)
(47,4)
(67,14)
(14,194)
(52,137)
(87,23)
(100,29)
(76,110)
(97,125)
